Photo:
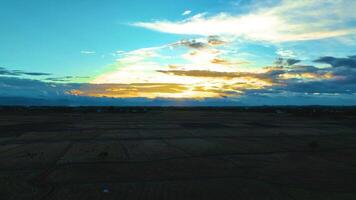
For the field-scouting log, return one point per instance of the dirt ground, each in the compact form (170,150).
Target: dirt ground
(170,153)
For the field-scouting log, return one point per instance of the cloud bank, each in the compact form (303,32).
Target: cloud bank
(288,79)
(288,21)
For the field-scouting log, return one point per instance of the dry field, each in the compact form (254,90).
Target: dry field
(168,154)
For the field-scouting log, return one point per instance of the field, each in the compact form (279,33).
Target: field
(286,153)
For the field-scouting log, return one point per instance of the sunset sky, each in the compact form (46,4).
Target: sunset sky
(201,52)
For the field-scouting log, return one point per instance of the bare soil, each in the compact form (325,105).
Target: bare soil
(178,153)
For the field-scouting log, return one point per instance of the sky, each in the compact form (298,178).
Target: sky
(186,52)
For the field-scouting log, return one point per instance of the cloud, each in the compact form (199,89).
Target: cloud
(221,24)
(147,90)
(65,78)
(344,69)
(296,83)
(140,55)
(200,43)
(338,79)
(194,44)
(221,61)
(4,71)
(187,12)
(141,65)
(14,86)
(319,87)
(286,62)
(36,74)
(87,52)
(215,74)
(285,53)
(215,40)
(338,62)
(305,68)
(285,76)
(225,83)
(288,21)
(292,61)
(215,78)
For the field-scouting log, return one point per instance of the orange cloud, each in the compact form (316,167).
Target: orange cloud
(220,61)
(215,74)
(149,90)
(306,75)
(215,41)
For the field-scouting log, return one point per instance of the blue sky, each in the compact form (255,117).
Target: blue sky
(225,50)
(49,35)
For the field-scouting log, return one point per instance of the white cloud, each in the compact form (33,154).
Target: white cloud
(285,53)
(119,52)
(140,54)
(187,12)
(87,52)
(288,21)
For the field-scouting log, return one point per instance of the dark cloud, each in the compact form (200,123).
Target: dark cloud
(292,61)
(14,86)
(65,78)
(193,44)
(215,40)
(340,78)
(7,72)
(304,68)
(274,72)
(344,69)
(36,74)
(57,79)
(326,86)
(286,62)
(338,62)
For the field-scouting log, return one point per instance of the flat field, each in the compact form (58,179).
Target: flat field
(297,153)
